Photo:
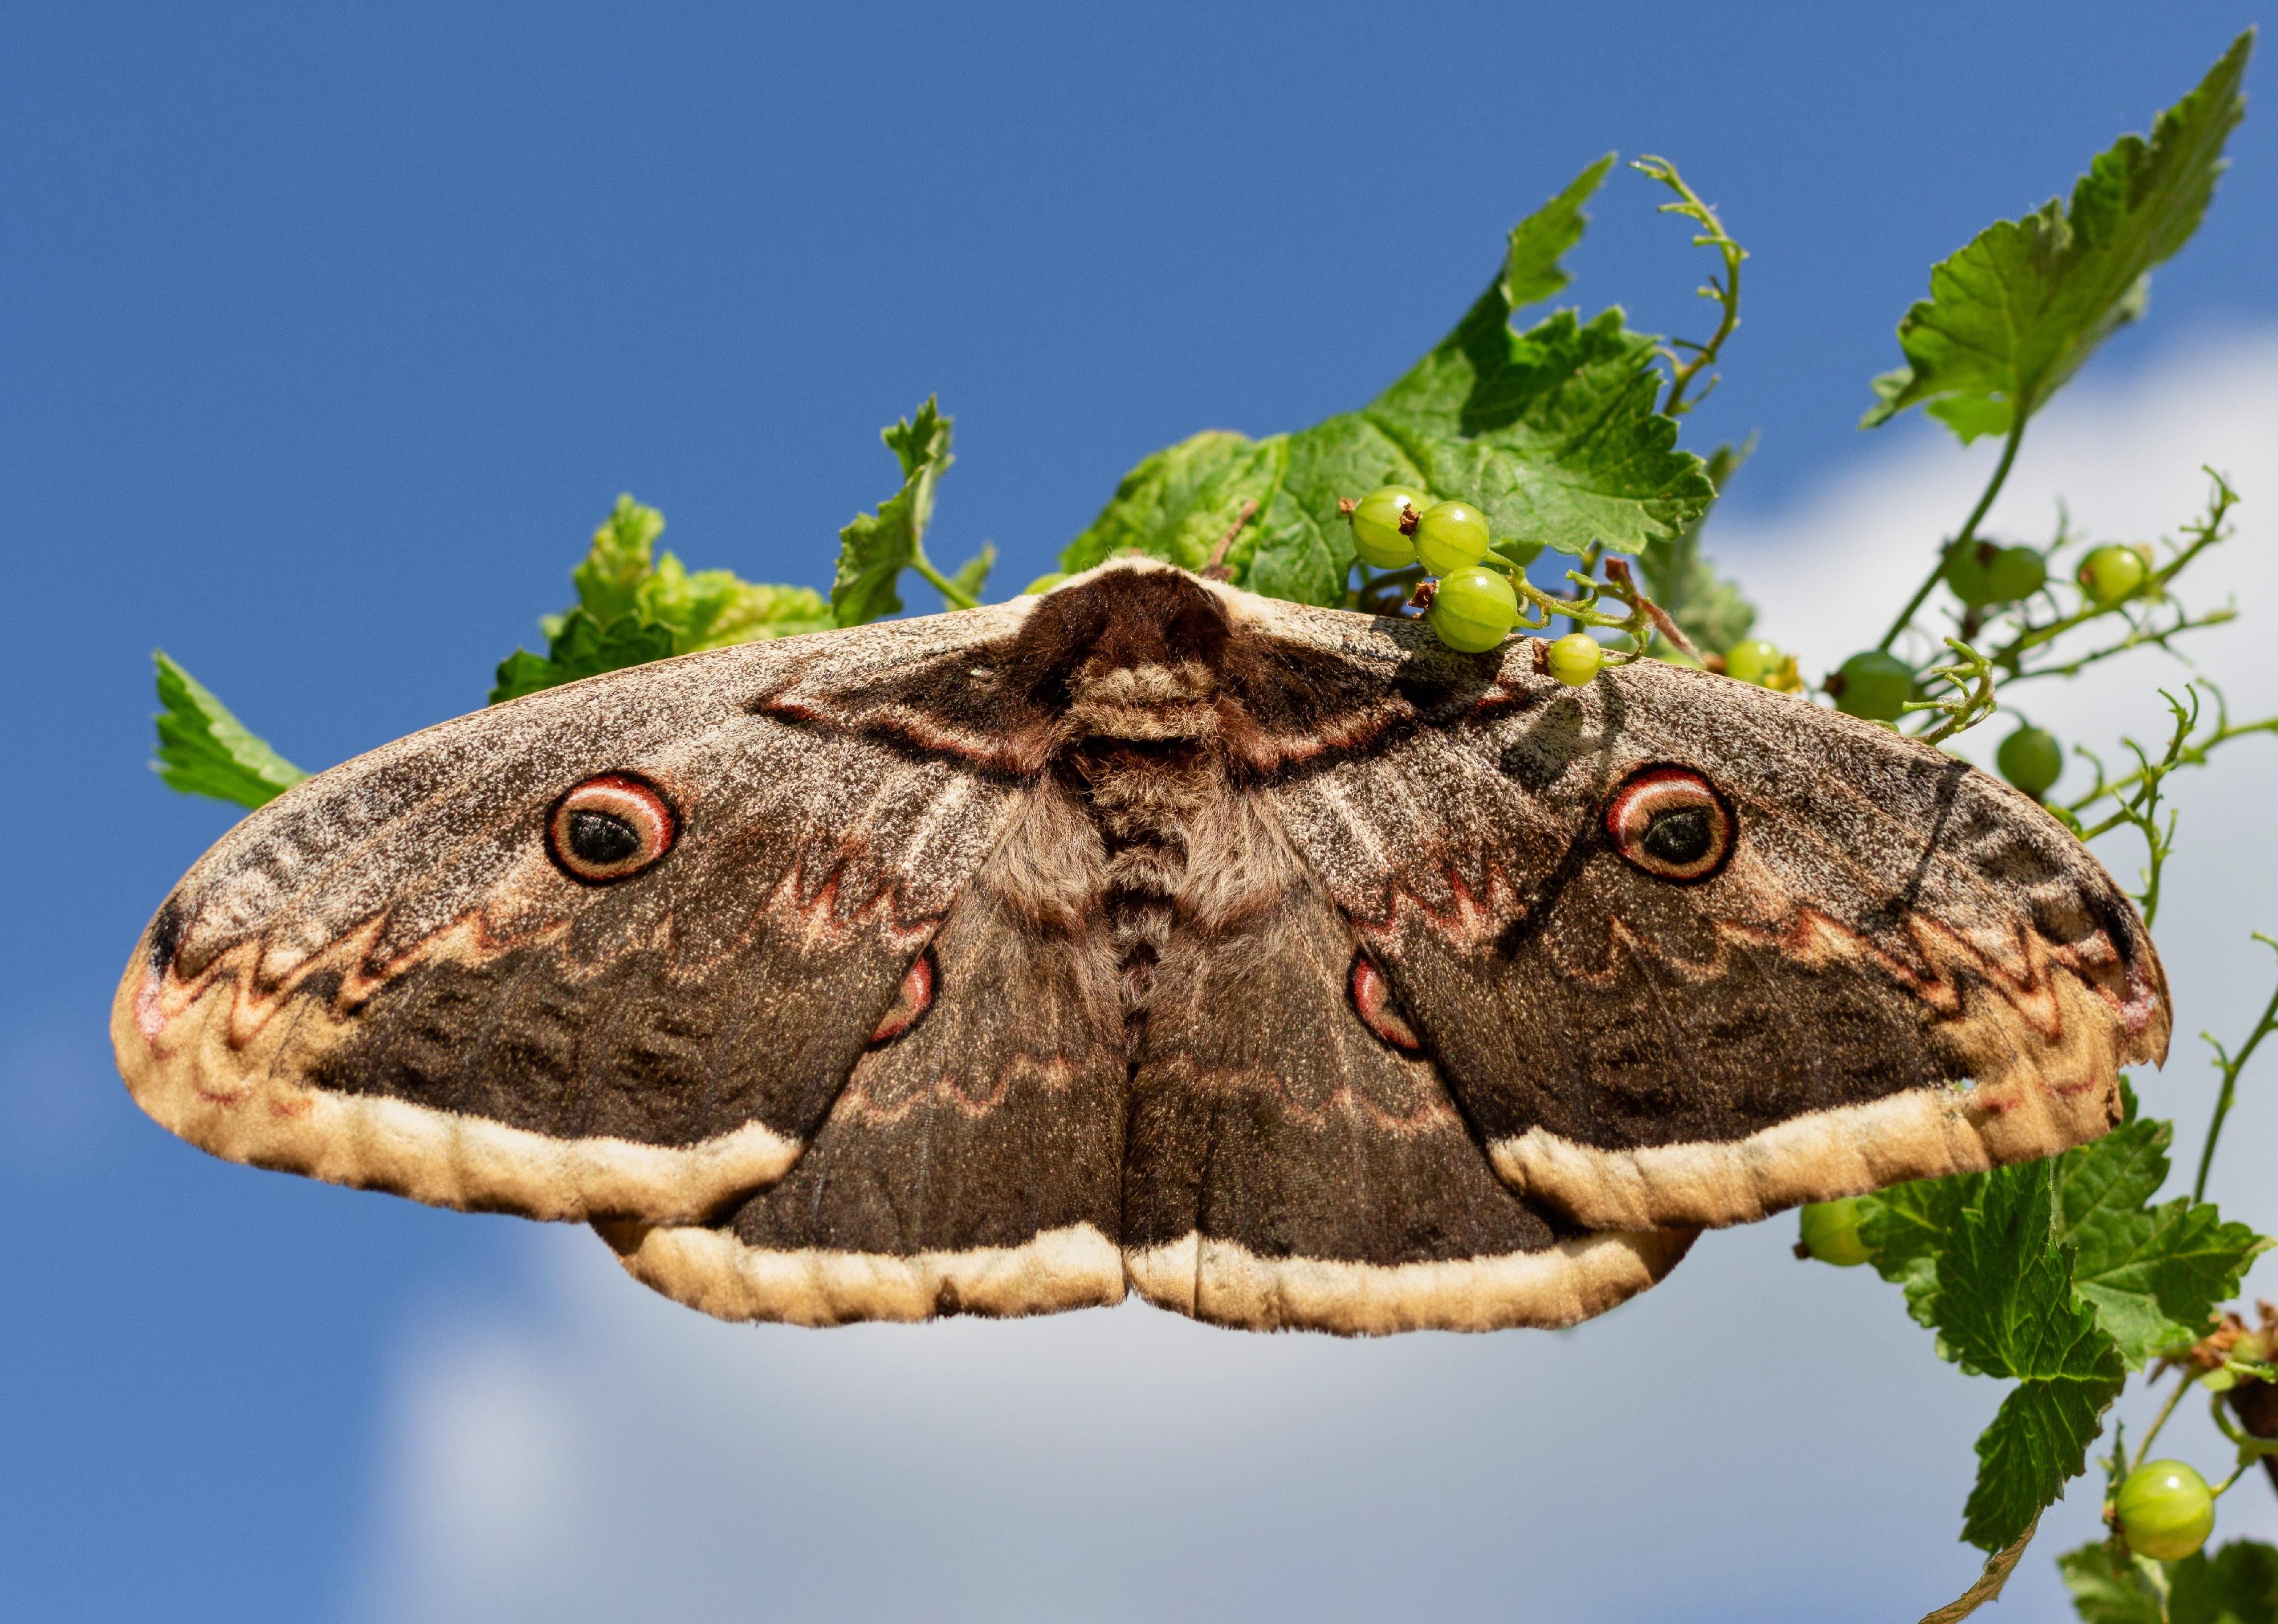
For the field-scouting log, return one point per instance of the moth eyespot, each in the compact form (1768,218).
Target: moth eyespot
(910,1002)
(1372,1002)
(609,828)
(1671,822)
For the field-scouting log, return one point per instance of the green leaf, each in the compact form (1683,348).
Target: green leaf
(715,608)
(1176,504)
(635,606)
(1711,609)
(1531,271)
(1300,546)
(2153,1274)
(2105,1592)
(874,549)
(1905,1227)
(583,647)
(2015,313)
(2006,1305)
(973,575)
(1551,434)
(2238,1584)
(203,750)
(609,581)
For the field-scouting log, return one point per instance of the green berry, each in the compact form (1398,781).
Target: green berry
(1755,660)
(2032,759)
(1982,573)
(2109,574)
(2165,1509)
(1449,536)
(1874,685)
(1969,573)
(1575,658)
(1830,1232)
(1382,523)
(1043,583)
(2016,572)
(1474,609)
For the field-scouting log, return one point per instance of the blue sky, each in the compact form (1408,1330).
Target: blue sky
(330,335)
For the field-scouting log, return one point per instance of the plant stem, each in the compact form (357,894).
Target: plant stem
(1726,293)
(2190,755)
(2230,1069)
(1996,1574)
(955,596)
(1968,533)
(2144,1444)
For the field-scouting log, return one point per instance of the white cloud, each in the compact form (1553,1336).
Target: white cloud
(1756,1438)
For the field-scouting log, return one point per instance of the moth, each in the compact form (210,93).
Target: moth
(1275,962)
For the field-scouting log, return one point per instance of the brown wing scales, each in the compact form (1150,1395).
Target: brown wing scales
(1276,962)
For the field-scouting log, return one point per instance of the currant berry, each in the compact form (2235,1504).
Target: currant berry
(1969,573)
(1449,536)
(1382,522)
(1874,685)
(1472,610)
(1982,573)
(2109,574)
(2016,572)
(2032,759)
(1575,658)
(1754,661)
(2165,1509)
(1830,1232)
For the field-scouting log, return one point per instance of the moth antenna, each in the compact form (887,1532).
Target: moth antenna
(1216,569)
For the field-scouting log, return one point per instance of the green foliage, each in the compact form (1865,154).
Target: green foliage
(1531,268)
(2060,1275)
(1551,434)
(203,750)
(875,548)
(1176,504)
(634,607)
(2151,1273)
(2238,1584)
(2005,1308)
(1981,1263)
(1712,611)
(2107,1588)
(2013,315)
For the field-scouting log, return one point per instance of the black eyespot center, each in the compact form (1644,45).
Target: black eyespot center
(1680,835)
(602,838)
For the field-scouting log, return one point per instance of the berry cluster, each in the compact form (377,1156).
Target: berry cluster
(1877,684)
(1474,605)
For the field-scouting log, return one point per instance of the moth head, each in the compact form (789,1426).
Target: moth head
(611,828)
(1672,823)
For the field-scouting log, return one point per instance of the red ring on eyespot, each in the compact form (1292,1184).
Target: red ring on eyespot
(1671,823)
(911,1001)
(611,828)
(1372,1002)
